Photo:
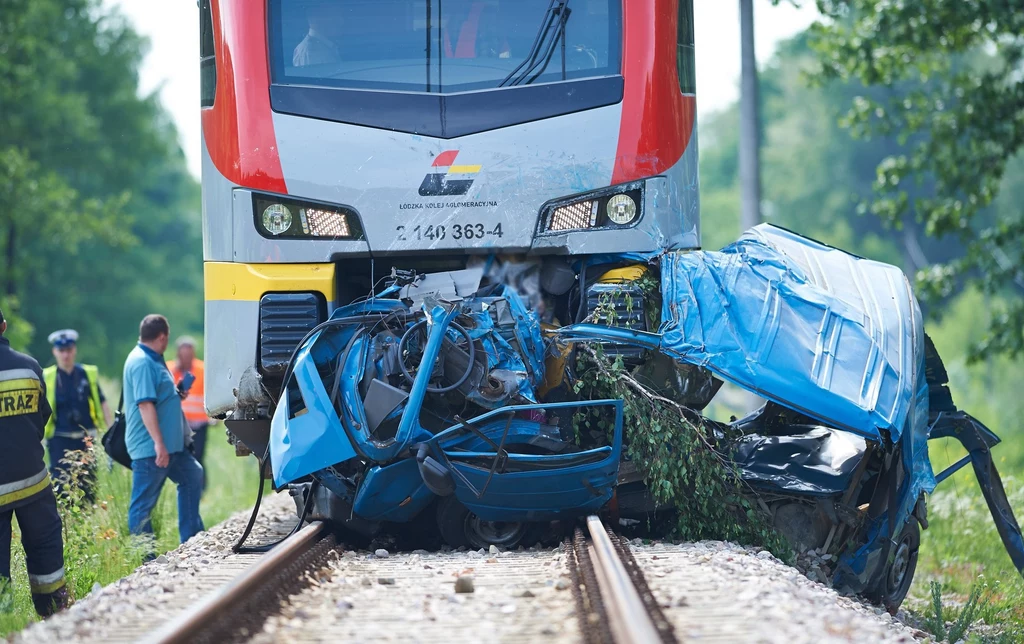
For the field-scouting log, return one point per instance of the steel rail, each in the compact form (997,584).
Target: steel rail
(629,619)
(192,625)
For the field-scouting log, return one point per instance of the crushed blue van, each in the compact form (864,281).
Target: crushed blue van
(434,398)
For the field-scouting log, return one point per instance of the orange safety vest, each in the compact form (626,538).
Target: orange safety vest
(194,406)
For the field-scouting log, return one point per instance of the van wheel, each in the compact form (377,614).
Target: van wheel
(892,589)
(460,527)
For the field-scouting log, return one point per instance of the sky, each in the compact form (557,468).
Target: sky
(172,65)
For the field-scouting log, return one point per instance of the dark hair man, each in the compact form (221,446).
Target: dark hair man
(25,482)
(78,404)
(155,434)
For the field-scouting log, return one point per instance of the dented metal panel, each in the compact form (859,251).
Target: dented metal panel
(814,328)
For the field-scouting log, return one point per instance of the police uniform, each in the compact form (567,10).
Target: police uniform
(77,403)
(25,489)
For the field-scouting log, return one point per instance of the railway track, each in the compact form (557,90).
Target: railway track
(613,604)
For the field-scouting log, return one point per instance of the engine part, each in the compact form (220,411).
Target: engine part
(556,276)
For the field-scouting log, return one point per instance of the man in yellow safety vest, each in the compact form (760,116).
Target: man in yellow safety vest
(79,409)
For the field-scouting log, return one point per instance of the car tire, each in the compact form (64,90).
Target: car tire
(895,583)
(460,527)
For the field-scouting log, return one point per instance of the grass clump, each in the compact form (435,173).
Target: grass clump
(953,625)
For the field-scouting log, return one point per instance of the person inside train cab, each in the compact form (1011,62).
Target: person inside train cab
(320,46)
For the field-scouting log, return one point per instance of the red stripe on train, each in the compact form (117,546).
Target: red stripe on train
(239,128)
(657,119)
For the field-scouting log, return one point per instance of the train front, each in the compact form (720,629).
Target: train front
(344,138)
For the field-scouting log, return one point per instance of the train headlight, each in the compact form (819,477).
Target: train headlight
(621,209)
(295,219)
(609,208)
(277,219)
(573,216)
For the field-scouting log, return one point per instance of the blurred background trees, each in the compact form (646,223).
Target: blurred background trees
(99,219)
(944,82)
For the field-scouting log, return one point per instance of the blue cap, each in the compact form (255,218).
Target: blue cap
(63,338)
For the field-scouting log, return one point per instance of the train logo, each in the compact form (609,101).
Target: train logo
(447,179)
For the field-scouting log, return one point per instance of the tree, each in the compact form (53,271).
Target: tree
(99,220)
(815,173)
(945,79)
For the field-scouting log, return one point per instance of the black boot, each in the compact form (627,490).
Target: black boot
(49,603)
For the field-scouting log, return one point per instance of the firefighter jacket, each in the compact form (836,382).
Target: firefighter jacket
(24,412)
(92,374)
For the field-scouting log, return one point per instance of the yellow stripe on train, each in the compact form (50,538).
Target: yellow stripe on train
(250,282)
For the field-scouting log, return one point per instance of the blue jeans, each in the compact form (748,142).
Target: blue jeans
(148,480)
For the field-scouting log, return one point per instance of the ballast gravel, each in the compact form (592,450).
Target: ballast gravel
(721,592)
(711,592)
(446,596)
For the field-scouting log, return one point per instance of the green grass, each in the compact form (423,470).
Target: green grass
(961,548)
(97,547)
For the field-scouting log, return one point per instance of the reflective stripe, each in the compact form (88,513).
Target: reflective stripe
(91,433)
(14,374)
(46,579)
(46,584)
(25,492)
(19,384)
(7,488)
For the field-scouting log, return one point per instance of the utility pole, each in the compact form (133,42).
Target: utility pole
(750,141)
(750,123)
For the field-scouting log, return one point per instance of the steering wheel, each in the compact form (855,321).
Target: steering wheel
(410,375)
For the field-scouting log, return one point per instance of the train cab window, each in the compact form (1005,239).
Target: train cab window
(207,58)
(442,46)
(685,55)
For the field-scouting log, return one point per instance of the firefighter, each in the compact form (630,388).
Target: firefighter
(25,482)
(79,409)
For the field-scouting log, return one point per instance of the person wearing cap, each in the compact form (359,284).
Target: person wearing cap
(25,490)
(194,404)
(79,407)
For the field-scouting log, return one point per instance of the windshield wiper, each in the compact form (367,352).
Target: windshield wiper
(551,31)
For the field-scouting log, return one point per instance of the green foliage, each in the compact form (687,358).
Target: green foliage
(961,545)
(19,331)
(935,620)
(99,220)
(679,459)
(944,79)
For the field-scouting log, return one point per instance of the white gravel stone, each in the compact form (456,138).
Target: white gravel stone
(724,592)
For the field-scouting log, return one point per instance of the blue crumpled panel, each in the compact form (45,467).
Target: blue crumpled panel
(812,327)
(315,439)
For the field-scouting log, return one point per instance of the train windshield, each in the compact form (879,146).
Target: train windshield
(442,46)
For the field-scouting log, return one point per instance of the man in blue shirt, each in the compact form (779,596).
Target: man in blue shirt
(155,433)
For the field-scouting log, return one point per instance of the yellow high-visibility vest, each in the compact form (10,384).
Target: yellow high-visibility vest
(92,374)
